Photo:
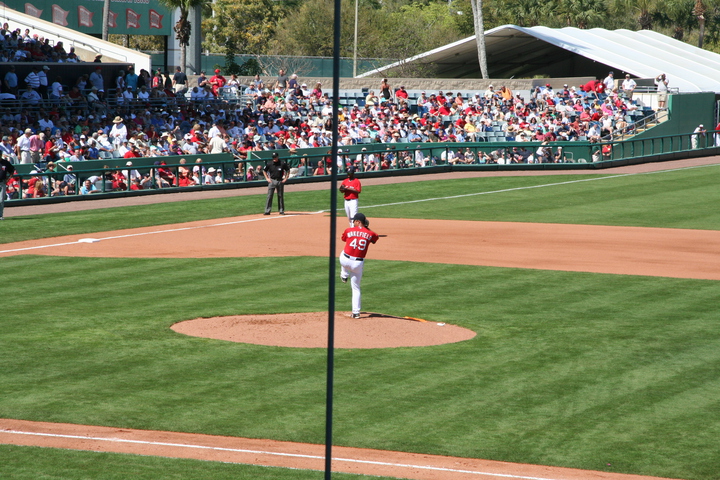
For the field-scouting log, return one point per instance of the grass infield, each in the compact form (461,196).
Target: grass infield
(602,372)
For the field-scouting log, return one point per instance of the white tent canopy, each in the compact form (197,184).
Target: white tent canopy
(518,52)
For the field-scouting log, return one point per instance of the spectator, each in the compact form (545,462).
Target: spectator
(202,80)
(217,82)
(88,188)
(281,83)
(661,82)
(164,176)
(157,80)
(698,137)
(56,91)
(131,79)
(31,97)
(371,99)
(43,78)
(401,93)
(32,80)
(22,147)
(628,86)
(7,151)
(317,93)
(609,82)
(69,181)
(126,97)
(143,95)
(96,79)
(179,82)
(35,186)
(118,133)
(10,81)
(120,82)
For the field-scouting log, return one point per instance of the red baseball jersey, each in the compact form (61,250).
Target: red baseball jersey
(355,184)
(357,240)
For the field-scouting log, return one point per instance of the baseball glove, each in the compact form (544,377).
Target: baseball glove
(367,223)
(342,188)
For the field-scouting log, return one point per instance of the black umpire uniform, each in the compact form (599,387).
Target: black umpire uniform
(276,173)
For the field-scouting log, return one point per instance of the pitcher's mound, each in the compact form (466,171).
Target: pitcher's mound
(310,330)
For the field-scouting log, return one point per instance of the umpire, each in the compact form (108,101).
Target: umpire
(276,173)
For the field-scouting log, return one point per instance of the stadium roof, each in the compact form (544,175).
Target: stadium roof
(519,52)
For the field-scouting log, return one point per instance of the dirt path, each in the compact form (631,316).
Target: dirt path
(282,454)
(581,248)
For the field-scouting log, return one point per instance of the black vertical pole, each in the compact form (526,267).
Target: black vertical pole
(333,233)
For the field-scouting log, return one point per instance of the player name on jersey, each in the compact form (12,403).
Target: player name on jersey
(356,233)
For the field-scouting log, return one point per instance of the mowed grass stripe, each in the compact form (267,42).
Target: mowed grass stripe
(545,380)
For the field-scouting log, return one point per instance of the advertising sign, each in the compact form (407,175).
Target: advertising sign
(127,17)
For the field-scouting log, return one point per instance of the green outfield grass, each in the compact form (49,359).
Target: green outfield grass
(567,369)
(602,372)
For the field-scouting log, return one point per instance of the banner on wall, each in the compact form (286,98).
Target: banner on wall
(127,17)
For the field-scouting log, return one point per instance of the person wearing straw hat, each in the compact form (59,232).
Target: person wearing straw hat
(118,132)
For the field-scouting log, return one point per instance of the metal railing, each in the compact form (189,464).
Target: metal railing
(369,159)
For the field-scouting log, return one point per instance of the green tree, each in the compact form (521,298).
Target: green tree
(642,10)
(523,13)
(393,31)
(248,24)
(407,31)
(581,13)
(676,15)
(182,28)
(307,31)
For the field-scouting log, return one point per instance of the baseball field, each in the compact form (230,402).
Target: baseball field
(593,299)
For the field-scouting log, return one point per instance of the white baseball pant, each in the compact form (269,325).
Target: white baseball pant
(352,268)
(351,208)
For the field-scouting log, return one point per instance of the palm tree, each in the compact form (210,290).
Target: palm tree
(524,13)
(480,36)
(643,10)
(678,15)
(182,28)
(581,13)
(699,12)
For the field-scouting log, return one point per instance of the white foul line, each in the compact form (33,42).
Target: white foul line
(279,454)
(569,182)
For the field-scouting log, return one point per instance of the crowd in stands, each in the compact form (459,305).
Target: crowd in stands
(23,46)
(156,114)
